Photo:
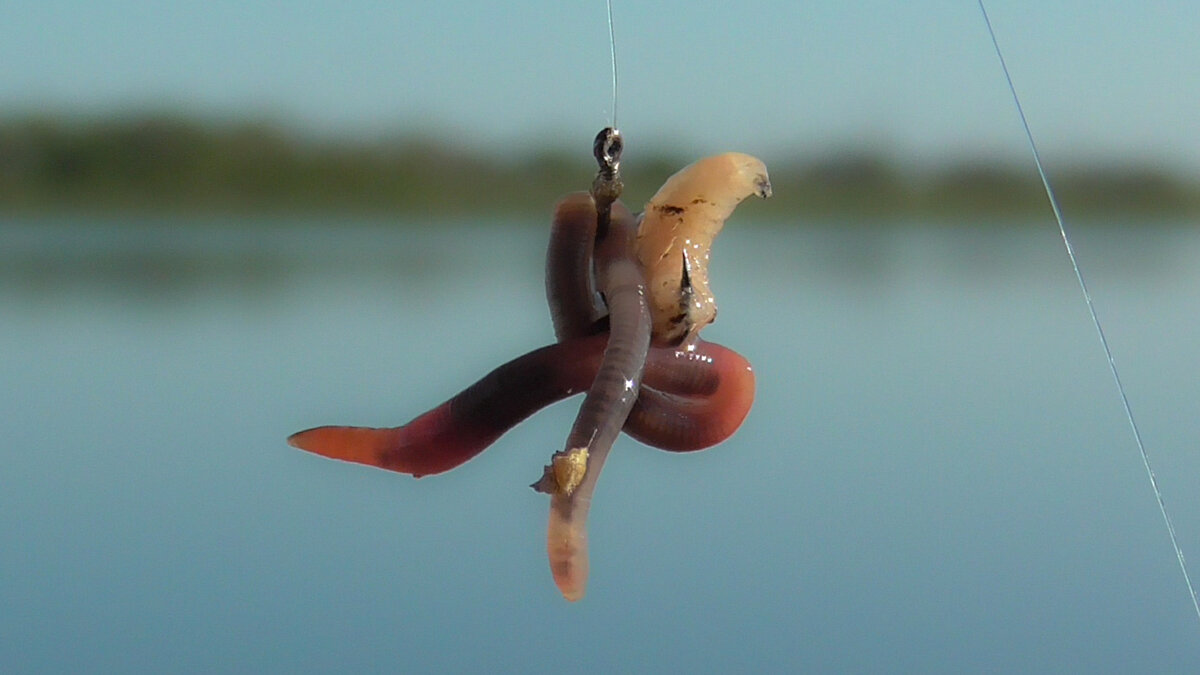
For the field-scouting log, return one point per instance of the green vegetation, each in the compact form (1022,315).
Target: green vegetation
(172,164)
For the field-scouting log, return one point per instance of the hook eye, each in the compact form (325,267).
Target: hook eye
(607,150)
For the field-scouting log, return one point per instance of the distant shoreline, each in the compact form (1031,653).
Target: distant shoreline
(168,165)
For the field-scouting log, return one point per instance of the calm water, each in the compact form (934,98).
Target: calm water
(936,476)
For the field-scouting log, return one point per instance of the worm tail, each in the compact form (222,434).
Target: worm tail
(464,426)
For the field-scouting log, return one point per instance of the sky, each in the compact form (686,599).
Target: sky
(919,80)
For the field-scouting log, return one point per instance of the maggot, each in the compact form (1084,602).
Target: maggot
(675,238)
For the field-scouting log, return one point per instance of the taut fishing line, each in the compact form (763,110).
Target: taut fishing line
(1087,296)
(612,50)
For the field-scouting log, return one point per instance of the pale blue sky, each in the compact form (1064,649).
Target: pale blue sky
(769,77)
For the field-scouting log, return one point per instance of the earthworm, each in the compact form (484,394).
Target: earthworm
(690,400)
(571,477)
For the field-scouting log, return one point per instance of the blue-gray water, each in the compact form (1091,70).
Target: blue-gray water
(936,476)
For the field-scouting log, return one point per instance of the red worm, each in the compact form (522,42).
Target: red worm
(710,392)
(609,400)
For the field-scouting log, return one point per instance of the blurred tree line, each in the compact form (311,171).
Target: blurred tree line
(174,164)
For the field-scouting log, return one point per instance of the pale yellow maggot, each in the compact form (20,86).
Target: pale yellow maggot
(676,233)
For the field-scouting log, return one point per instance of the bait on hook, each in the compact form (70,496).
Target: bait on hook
(628,296)
(666,388)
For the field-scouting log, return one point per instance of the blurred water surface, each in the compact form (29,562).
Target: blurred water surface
(936,476)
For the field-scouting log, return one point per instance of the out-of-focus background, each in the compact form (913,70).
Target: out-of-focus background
(223,222)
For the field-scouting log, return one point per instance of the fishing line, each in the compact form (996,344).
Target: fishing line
(1087,296)
(612,49)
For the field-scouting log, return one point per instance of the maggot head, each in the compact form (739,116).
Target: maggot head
(676,233)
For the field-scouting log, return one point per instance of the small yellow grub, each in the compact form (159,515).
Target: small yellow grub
(676,233)
(569,469)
